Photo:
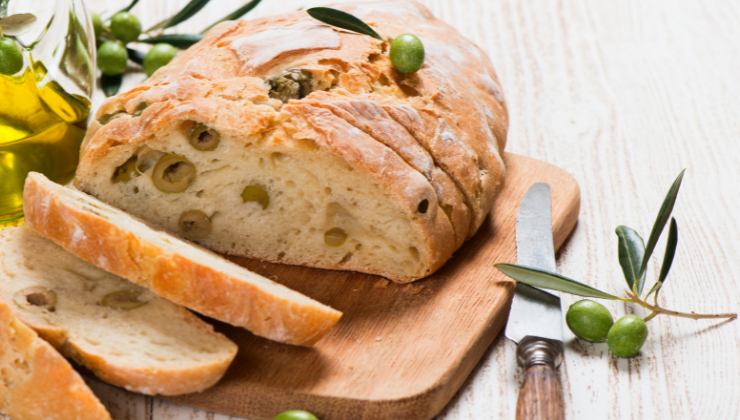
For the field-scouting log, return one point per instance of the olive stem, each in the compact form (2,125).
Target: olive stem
(657,310)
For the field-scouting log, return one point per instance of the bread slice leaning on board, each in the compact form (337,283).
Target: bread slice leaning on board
(36,382)
(289,140)
(123,333)
(172,268)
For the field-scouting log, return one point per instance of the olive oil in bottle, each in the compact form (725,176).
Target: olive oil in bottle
(41,128)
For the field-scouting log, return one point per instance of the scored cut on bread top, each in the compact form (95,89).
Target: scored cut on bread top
(123,333)
(174,269)
(36,382)
(292,141)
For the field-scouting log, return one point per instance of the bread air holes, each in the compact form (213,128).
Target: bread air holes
(202,137)
(423,206)
(36,296)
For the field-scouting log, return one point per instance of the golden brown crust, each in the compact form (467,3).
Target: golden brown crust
(271,311)
(452,108)
(36,382)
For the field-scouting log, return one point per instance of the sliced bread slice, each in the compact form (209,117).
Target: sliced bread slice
(36,382)
(123,333)
(174,269)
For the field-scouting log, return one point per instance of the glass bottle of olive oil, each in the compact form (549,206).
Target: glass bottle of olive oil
(41,123)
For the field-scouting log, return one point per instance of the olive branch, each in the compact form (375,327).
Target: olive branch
(634,257)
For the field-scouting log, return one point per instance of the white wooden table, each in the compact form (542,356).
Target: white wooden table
(623,94)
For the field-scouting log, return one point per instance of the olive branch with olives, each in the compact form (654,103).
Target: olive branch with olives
(115,34)
(590,320)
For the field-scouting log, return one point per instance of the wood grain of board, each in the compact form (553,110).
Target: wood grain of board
(622,94)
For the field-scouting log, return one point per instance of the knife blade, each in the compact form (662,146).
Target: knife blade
(535,318)
(535,312)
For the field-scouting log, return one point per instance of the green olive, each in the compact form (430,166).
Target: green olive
(112,58)
(407,53)
(36,296)
(173,173)
(158,56)
(291,84)
(202,137)
(106,118)
(627,336)
(140,107)
(194,224)
(296,415)
(589,320)
(256,193)
(335,237)
(11,56)
(126,171)
(98,25)
(125,26)
(123,299)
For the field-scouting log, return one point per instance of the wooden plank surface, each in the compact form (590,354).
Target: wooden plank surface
(622,94)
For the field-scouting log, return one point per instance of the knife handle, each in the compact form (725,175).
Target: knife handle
(541,394)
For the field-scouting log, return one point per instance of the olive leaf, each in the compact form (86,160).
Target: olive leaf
(184,14)
(17,23)
(178,40)
(552,281)
(236,14)
(342,20)
(670,253)
(111,84)
(135,55)
(631,250)
(129,7)
(660,221)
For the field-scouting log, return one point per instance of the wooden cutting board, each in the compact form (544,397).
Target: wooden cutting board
(400,351)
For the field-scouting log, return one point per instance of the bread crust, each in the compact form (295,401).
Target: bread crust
(36,382)
(260,305)
(155,379)
(452,108)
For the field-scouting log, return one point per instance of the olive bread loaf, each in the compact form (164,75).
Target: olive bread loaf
(36,382)
(292,141)
(123,333)
(171,268)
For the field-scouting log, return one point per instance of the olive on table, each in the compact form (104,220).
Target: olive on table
(296,415)
(125,26)
(627,336)
(407,53)
(158,56)
(11,57)
(589,320)
(112,58)
(173,173)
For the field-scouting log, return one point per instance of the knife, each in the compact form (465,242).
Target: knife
(535,318)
